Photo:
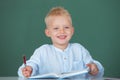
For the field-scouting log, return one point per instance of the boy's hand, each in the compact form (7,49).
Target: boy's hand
(26,71)
(93,69)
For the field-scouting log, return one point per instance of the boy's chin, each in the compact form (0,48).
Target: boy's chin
(64,43)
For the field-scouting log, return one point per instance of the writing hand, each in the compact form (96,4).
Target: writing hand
(26,71)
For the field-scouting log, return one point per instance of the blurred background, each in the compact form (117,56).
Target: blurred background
(96,22)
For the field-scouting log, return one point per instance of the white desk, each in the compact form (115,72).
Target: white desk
(17,78)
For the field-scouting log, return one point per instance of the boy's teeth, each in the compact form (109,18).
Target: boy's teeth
(61,37)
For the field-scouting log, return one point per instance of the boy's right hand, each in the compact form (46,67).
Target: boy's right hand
(26,71)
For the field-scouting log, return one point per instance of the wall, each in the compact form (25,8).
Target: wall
(96,22)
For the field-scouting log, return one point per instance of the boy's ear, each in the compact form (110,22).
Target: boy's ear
(72,30)
(47,32)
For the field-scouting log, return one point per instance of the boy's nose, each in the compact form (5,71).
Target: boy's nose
(62,31)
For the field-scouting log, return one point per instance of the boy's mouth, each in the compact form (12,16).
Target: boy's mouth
(62,36)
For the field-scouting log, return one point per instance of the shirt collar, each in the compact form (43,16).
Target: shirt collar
(58,49)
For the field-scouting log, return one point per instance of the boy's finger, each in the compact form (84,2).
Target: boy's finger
(26,73)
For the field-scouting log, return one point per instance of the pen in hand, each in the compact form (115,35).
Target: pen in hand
(24,60)
(27,70)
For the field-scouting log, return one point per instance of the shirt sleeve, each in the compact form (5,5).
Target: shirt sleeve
(101,69)
(87,58)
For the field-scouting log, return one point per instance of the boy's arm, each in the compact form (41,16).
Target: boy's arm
(88,59)
(100,68)
(33,62)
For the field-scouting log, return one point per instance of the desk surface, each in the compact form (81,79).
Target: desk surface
(17,78)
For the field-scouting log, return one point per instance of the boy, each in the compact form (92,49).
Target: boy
(61,56)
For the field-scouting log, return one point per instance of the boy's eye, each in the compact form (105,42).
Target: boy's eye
(55,28)
(66,27)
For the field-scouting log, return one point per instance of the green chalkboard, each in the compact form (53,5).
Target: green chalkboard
(96,22)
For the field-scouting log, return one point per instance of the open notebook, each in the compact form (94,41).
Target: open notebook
(61,75)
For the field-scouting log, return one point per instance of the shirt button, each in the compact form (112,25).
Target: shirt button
(65,58)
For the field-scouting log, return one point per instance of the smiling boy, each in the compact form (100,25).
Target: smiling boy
(61,56)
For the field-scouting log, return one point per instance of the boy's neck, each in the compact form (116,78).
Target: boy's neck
(62,47)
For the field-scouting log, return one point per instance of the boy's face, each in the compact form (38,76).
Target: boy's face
(60,30)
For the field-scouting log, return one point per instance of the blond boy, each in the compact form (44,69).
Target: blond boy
(61,56)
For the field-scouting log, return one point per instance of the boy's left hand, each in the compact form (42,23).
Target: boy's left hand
(93,69)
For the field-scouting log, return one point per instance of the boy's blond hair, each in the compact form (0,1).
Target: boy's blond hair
(57,11)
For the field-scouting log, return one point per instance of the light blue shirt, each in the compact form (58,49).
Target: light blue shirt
(47,58)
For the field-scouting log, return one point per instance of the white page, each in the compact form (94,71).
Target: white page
(74,73)
(49,75)
(62,75)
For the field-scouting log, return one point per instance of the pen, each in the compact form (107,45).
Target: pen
(24,60)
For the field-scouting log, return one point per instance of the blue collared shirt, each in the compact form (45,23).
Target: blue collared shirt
(47,58)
